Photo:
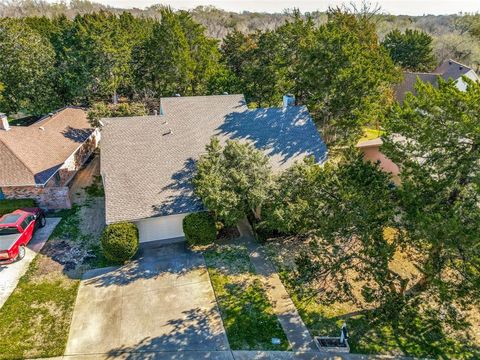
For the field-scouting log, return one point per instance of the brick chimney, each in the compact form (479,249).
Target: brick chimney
(4,125)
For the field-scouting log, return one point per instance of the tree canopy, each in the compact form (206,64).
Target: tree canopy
(232,181)
(412,50)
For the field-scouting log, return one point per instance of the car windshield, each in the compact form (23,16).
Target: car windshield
(8,231)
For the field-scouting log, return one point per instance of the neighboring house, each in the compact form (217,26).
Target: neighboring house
(448,70)
(147,162)
(371,152)
(39,161)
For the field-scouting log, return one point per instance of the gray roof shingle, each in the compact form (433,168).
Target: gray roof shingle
(448,70)
(147,162)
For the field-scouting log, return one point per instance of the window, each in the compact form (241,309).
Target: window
(8,231)
(27,221)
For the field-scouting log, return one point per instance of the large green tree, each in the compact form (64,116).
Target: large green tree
(233,181)
(412,50)
(346,76)
(435,139)
(345,209)
(176,58)
(26,69)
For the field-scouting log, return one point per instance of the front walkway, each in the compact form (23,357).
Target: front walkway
(10,274)
(292,324)
(162,302)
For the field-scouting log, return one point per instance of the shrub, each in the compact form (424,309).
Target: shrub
(199,228)
(7,206)
(120,242)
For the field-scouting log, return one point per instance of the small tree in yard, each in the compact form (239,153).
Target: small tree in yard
(199,228)
(120,242)
(233,181)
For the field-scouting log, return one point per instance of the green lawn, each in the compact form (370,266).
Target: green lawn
(246,312)
(370,134)
(36,318)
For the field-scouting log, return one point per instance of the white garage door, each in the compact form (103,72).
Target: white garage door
(161,228)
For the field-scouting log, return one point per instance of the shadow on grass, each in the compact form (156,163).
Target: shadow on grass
(415,332)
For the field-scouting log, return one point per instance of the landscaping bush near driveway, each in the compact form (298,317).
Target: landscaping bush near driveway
(7,206)
(199,228)
(120,242)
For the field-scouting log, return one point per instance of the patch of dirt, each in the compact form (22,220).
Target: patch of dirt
(66,254)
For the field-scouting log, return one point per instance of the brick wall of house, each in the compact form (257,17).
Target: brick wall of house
(52,197)
(76,160)
(55,194)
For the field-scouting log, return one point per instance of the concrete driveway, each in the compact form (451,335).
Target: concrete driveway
(161,302)
(11,273)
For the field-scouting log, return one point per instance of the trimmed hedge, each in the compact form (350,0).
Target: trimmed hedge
(120,242)
(199,228)
(9,205)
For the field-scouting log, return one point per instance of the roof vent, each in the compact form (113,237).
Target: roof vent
(169,132)
(461,67)
(4,125)
(42,128)
(450,62)
(160,108)
(288,100)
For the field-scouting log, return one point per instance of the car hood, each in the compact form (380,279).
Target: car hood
(7,241)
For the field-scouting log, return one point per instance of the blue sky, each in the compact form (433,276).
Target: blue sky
(409,7)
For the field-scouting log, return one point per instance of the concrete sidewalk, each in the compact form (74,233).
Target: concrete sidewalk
(10,274)
(292,324)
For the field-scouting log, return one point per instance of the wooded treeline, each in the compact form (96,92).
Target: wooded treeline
(335,63)
(448,31)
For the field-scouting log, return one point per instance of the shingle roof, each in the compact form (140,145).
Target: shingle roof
(449,69)
(409,81)
(147,170)
(30,155)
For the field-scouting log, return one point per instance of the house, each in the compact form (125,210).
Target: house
(147,162)
(448,70)
(39,161)
(371,152)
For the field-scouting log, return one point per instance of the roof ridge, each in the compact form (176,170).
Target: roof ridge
(199,96)
(459,63)
(17,157)
(57,112)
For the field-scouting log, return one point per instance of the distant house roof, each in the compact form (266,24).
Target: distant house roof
(147,162)
(31,155)
(448,70)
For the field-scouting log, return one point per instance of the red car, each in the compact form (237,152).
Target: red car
(16,231)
